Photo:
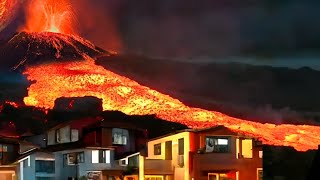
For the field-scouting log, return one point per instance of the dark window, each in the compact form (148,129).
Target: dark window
(74,158)
(168,150)
(217,144)
(260,175)
(45,178)
(181,146)
(157,149)
(45,166)
(101,157)
(80,157)
(133,161)
(65,159)
(57,133)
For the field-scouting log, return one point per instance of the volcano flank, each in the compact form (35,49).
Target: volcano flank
(26,48)
(50,61)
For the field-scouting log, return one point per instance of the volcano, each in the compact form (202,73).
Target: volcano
(27,48)
(62,65)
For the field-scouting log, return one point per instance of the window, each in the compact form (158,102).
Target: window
(217,144)
(157,149)
(119,136)
(259,174)
(181,146)
(74,135)
(45,178)
(101,156)
(44,166)
(133,161)
(247,148)
(3,148)
(71,158)
(260,154)
(153,177)
(58,136)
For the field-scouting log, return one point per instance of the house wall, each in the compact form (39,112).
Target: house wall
(211,162)
(66,135)
(178,171)
(38,140)
(26,170)
(63,171)
(11,154)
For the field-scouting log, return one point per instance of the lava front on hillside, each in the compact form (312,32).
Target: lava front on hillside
(85,78)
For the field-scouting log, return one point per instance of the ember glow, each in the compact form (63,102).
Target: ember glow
(85,78)
(49,16)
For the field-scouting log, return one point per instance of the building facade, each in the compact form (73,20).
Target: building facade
(215,154)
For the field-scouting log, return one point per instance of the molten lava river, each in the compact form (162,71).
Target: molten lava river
(85,78)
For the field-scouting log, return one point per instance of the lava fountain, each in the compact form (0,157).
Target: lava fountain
(49,16)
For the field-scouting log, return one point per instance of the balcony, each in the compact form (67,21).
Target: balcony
(223,160)
(158,166)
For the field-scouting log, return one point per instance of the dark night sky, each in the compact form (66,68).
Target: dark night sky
(283,33)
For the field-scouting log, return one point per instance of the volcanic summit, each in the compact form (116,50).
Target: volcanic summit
(27,48)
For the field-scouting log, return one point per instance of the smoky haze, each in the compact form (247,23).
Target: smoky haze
(96,21)
(183,28)
(222,28)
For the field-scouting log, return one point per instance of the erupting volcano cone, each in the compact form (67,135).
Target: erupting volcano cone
(34,48)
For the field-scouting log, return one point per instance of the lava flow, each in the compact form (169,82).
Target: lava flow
(49,16)
(85,78)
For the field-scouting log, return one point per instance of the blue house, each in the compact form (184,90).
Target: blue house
(90,147)
(36,165)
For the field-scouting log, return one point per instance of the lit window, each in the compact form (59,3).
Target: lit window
(107,156)
(260,154)
(119,136)
(217,144)
(222,141)
(247,148)
(101,156)
(95,156)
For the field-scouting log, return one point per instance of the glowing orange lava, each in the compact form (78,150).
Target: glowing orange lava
(85,78)
(49,16)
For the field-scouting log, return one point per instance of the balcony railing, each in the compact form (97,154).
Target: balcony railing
(158,166)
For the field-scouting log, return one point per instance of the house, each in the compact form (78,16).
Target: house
(9,151)
(202,154)
(89,147)
(36,164)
